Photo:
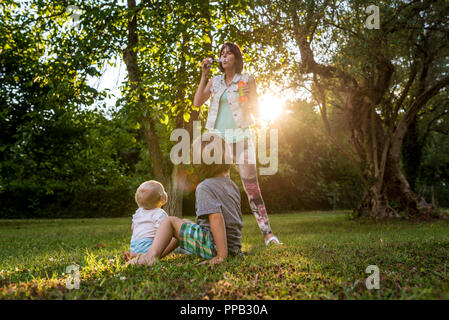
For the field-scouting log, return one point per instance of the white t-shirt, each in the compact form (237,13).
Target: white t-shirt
(146,222)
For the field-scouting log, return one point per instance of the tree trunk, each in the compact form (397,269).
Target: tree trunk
(375,142)
(174,203)
(399,189)
(411,154)
(434,202)
(392,197)
(388,193)
(164,171)
(375,204)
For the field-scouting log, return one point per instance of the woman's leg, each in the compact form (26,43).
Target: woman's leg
(245,157)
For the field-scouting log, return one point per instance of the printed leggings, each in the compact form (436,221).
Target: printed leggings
(245,160)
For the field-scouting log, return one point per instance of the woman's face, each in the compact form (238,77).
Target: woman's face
(229,58)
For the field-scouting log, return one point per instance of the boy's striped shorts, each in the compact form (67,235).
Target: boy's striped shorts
(195,239)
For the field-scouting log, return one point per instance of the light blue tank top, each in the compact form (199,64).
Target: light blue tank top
(225,121)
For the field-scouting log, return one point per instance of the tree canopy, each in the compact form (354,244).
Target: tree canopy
(373,126)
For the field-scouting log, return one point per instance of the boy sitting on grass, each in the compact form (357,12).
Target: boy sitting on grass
(218,228)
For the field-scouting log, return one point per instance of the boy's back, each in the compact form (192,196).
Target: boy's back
(221,194)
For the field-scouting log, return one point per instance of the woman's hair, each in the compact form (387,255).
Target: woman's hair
(235,49)
(149,194)
(213,154)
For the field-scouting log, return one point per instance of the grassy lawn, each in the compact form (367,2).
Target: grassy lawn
(324,256)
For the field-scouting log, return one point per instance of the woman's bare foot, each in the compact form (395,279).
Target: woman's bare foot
(129,255)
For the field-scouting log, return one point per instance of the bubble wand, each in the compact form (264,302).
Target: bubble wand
(211,60)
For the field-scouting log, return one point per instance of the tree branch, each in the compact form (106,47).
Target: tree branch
(411,79)
(429,125)
(308,63)
(416,105)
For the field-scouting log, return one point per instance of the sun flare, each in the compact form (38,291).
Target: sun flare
(270,107)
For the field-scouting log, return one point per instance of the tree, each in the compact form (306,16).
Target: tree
(166,41)
(377,79)
(52,147)
(162,44)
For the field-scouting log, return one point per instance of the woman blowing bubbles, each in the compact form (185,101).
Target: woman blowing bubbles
(227,113)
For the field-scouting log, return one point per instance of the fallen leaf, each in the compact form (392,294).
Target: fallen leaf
(98,246)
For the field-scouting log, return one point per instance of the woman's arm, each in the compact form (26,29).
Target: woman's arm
(217,226)
(203,91)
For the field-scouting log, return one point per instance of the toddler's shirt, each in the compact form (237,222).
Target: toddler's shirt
(146,222)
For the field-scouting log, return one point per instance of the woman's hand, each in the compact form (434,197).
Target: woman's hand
(246,90)
(205,67)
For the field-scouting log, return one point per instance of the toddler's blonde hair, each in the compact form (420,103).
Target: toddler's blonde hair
(149,193)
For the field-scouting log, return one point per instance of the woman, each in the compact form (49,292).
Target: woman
(227,113)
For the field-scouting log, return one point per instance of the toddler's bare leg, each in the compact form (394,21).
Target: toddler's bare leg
(129,255)
(168,229)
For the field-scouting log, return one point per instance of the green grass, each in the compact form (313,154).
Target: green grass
(324,256)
